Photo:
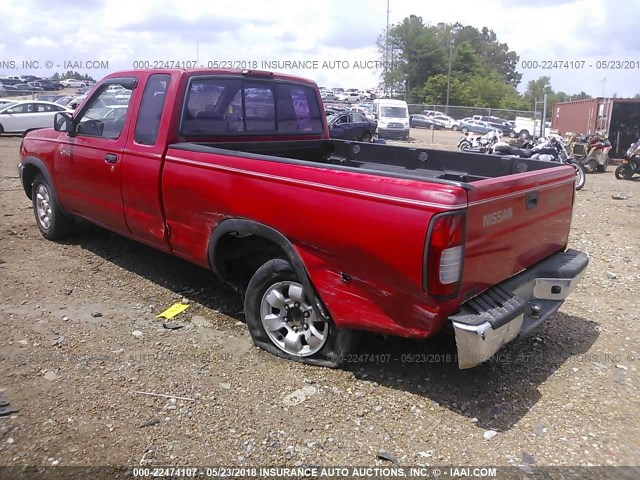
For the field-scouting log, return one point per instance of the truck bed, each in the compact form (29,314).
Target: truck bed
(438,166)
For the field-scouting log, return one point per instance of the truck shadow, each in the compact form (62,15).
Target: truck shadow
(179,276)
(499,392)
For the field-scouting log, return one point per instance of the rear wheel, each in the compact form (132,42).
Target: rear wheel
(524,134)
(282,320)
(465,130)
(624,172)
(52,222)
(454,128)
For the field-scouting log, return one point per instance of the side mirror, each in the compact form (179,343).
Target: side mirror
(63,122)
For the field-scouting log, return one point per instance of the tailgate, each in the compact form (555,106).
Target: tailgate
(514,222)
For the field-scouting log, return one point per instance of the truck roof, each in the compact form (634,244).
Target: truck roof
(194,72)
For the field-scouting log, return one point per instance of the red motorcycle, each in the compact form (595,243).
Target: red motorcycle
(595,152)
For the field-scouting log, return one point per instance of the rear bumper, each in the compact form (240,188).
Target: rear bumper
(515,307)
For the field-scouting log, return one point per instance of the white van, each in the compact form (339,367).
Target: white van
(393,118)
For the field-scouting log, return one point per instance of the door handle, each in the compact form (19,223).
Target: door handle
(111,158)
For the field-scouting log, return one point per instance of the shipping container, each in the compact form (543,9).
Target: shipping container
(618,117)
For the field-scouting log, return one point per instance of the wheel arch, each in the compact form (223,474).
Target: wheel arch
(31,167)
(244,245)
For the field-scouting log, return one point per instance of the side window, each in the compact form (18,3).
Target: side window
(358,118)
(95,120)
(151,109)
(18,109)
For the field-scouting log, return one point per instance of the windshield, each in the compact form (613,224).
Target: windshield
(394,112)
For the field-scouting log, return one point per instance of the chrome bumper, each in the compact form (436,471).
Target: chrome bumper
(515,307)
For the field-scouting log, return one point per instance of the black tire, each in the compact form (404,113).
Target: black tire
(454,128)
(524,134)
(276,271)
(581,177)
(464,146)
(1,129)
(591,166)
(366,137)
(465,130)
(55,225)
(623,172)
(602,168)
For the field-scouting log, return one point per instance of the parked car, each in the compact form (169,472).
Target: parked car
(49,97)
(422,121)
(63,100)
(364,110)
(34,87)
(4,102)
(83,90)
(351,126)
(447,121)
(321,237)
(27,115)
(431,113)
(72,83)
(350,97)
(500,124)
(50,85)
(476,126)
(328,95)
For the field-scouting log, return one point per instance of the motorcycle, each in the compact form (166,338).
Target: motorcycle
(630,164)
(592,151)
(550,149)
(479,144)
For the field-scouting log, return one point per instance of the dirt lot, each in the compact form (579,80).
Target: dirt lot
(568,395)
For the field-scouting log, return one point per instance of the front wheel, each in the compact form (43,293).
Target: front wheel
(283,321)
(454,128)
(464,146)
(581,177)
(623,172)
(52,222)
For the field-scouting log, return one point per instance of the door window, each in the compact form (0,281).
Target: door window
(95,120)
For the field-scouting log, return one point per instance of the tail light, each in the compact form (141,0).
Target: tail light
(444,254)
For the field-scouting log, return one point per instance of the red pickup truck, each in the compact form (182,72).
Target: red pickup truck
(235,171)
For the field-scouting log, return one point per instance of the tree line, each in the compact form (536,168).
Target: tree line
(483,70)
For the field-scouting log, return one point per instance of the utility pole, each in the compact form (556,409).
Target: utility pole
(449,75)
(543,128)
(386,54)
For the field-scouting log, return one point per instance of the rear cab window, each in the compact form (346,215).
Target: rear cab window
(217,105)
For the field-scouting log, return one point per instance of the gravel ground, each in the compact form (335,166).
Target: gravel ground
(567,395)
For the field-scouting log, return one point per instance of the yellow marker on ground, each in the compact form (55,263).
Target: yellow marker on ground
(173,310)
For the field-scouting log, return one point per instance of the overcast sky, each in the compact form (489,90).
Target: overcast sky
(125,31)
